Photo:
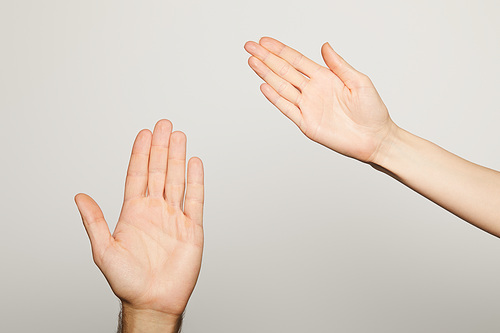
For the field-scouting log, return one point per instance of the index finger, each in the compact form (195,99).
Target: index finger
(293,57)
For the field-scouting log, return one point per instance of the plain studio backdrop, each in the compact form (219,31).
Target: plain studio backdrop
(298,238)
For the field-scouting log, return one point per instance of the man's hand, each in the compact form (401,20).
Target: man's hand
(153,258)
(336,106)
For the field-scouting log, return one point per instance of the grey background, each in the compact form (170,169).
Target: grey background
(298,238)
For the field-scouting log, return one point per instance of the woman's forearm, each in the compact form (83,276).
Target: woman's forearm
(468,190)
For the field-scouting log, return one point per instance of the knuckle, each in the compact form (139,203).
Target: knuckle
(157,170)
(302,85)
(298,60)
(136,173)
(299,100)
(194,200)
(281,50)
(281,88)
(284,70)
(265,55)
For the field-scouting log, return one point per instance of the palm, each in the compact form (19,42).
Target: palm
(153,258)
(156,248)
(347,115)
(340,118)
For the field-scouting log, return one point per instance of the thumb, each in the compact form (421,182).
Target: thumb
(340,67)
(94,223)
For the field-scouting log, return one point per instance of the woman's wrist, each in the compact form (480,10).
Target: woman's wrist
(387,146)
(135,320)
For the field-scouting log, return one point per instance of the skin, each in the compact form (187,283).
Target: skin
(339,107)
(153,258)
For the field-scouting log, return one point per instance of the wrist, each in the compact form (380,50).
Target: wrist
(387,146)
(135,320)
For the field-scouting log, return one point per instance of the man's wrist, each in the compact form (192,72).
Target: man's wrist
(133,320)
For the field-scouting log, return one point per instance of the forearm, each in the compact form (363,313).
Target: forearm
(148,321)
(468,190)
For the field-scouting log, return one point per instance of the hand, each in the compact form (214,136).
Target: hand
(336,106)
(153,258)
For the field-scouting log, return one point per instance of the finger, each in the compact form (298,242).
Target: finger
(95,225)
(282,87)
(193,207)
(286,107)
(293,57)
(158,158)
(137,173)
(176,166)
(345,72)
(277,65)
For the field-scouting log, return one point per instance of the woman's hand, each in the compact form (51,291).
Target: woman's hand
(336,106)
